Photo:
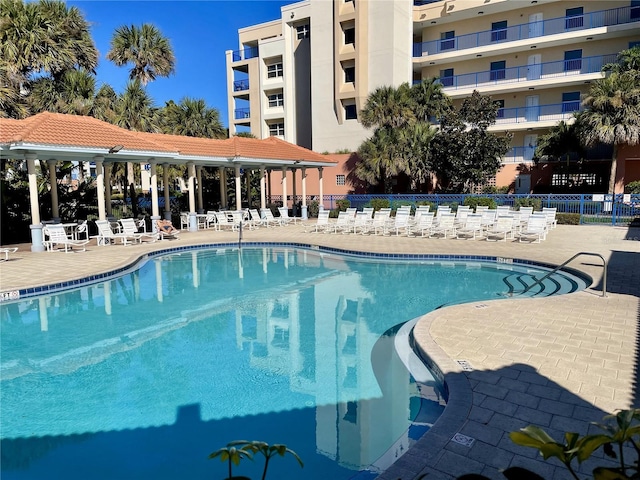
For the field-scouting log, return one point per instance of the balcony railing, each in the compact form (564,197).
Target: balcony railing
(538,113)
(553,26)
(241,113)
(245,54)
(558,69)
(240,85)
(525,154)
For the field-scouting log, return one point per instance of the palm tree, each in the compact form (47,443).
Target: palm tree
(562,140)
(72,93)
(429,99)
(612,114)
(146,49)
(105,104)
(191,117)
(46,39)
(12,104)
(388,107)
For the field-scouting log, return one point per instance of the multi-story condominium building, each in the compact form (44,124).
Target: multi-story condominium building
(306,76)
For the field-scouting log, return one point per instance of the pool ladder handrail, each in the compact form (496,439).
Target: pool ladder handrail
(604,276)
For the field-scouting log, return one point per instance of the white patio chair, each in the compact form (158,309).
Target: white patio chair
(321,224)
(423,226)
(503,209)
(254,219)
(361,223)
(184,220)
(82,230)
(481,208)
(285,219)
(6,251)
(472,228)
(129,227)
(501,230)
(446,225)
(442,209)
(368,211)
(222,221)
(166,230)
(55,236)
(106,235)
(267,217)
(551,216)
(488,218)
(342,224)
(535,231)
(400,222)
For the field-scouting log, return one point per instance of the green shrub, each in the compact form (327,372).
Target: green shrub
(536,203)
(343,205)
(401,203)
(493,190)
(568,218)
(333,213)
(378,203)
(632,187)
(313,207)
(432,205)
(473,202)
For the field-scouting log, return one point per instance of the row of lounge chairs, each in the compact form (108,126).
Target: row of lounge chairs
(493,225)
(231,220)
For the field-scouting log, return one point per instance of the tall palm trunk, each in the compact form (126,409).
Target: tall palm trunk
(614,168)
(130,182)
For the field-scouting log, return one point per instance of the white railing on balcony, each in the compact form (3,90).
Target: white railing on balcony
(553,26)
(241,113)
(538,113)
(539,71)
(240,85)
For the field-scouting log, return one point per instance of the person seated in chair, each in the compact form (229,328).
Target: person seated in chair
(165,226)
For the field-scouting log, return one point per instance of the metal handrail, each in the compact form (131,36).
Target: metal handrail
(604,277)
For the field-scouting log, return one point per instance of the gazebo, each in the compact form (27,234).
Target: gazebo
(53,137)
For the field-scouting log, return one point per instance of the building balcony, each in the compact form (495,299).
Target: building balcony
(525,154)
(240,85)
(528,31)
(242,113)
(538,116)
(556,73)
(244,54)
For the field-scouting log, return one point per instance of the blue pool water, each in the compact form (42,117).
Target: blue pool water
(144,375)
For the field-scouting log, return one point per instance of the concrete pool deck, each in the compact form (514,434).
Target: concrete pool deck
(559,362)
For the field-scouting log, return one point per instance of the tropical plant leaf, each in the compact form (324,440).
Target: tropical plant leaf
(557,450)
(590,444)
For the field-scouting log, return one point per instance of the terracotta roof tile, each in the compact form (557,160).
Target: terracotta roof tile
(79,131)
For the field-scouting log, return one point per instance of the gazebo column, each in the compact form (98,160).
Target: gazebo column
(199,181)
(294,193)
(102,215)
(238,188)
(247,173)
(263,195)
(36,226)
(223,188)
(320,188)
(53,183)
(269,186)
(193,220)
(304,193)
(284,187)
(155,209)
(165,184)
(107,188)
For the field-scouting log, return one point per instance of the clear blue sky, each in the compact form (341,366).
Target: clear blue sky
(199,32)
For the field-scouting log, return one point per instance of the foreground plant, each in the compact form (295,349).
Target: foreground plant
(238,449)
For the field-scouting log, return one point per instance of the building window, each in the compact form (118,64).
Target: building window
(572,60)
(635,10)
(500,113)
(499,31)
(570,102)
(274,70)
(340,180)
(633,44)
(303,31)
(349,74)
(498,71)
(446,77)
(574,18)
(276,129)
(447,40)
(350,36)
(350,112)
(276,100)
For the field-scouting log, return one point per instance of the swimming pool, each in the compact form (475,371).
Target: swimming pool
(147,373)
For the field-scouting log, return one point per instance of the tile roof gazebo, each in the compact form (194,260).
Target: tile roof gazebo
(52,137)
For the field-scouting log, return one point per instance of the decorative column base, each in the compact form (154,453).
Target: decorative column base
(36,238)
(193,222)
(304,212)
(154,223)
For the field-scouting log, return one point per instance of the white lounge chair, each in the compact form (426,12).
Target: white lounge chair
(130,227)
(166,230)
(223,221)
(7,251)
(254,219)
(285,219)
(322,223)
(342,224)
(361,222)
(400,223)
(423,226)
(551,217)
(535,231)
(472,228)
(268,219)
(502,229)
(56,236)
(106,235)
(445,226)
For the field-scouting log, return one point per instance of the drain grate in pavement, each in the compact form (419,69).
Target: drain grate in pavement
(463,440)
(466,366)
